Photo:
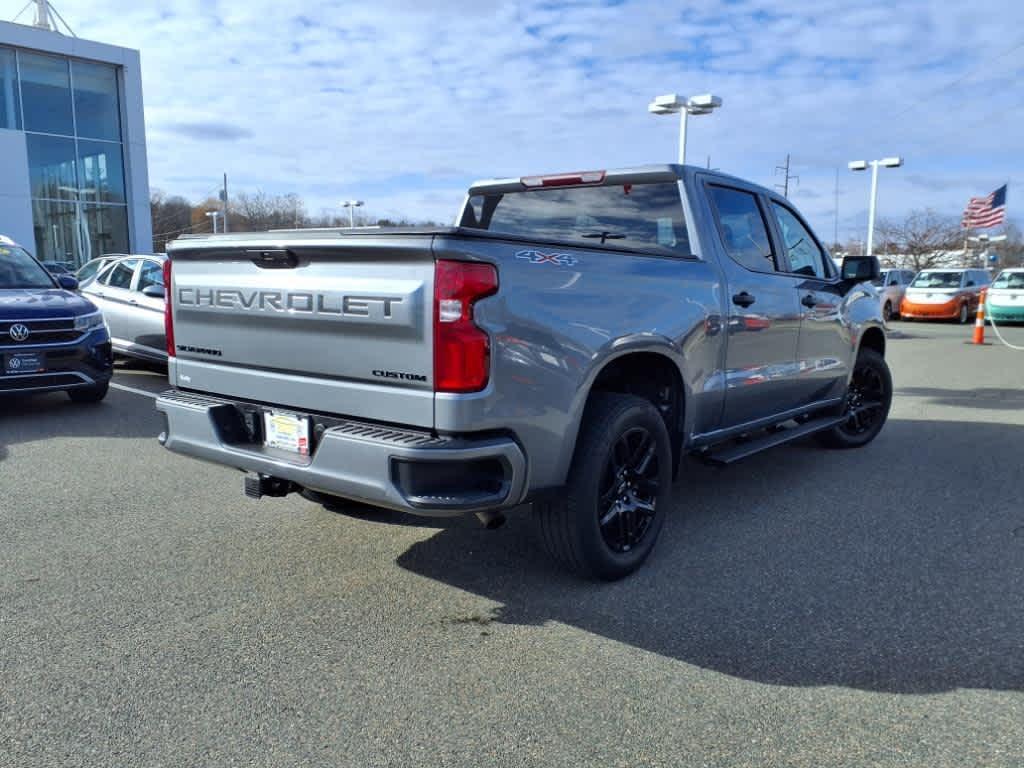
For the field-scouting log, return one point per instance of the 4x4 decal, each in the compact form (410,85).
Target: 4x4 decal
(539,257)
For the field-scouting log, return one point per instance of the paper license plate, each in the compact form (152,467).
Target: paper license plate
(24,362)
(287,432)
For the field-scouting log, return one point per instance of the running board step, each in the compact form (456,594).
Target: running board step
(730,454)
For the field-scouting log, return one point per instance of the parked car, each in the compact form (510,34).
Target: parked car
(944,294)
(567,344)
(891,285)
(51,338)
(92,268)
(130,291)
(59,267)
(1004,300)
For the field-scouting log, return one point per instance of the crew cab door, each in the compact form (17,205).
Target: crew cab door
(763,315)
(824,348)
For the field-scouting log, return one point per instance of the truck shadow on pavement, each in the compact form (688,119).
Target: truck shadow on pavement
(896,568)
(40,417)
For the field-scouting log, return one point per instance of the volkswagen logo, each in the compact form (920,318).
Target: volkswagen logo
(19,332)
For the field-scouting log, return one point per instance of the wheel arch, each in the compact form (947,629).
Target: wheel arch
(872,338)
(638,366)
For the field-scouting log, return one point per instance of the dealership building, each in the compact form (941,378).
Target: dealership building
(73,176)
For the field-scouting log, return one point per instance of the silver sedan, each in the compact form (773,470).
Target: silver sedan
(130,292)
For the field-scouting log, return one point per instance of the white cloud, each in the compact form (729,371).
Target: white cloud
(330,100)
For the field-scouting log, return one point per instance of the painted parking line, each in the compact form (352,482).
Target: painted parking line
(135,390)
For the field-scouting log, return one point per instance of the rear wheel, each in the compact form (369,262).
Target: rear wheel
(866,408)
(618,491)
(964,314)
(887,311)
(89,394)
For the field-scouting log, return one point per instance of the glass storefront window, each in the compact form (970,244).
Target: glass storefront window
(57,234)
(70,112)
(100,175)
(10,103)
(97,114)
(106,230)
(46,91)
(51,167)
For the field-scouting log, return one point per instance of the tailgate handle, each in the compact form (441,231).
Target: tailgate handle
(274,258)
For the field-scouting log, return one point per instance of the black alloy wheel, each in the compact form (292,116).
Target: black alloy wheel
(618,491)
(865,400)
(629,490)
(867,403)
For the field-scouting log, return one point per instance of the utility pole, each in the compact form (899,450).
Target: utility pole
(224,200)
(785,185)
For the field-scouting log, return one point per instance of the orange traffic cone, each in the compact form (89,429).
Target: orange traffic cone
(979,320)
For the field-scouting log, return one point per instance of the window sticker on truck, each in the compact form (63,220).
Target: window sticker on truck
(538,257)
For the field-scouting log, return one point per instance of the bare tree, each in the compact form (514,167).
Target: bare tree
(922,238)
(259,211)
(170,215)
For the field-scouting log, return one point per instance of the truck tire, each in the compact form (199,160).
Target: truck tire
(618,491)
(867,403)
(88,394)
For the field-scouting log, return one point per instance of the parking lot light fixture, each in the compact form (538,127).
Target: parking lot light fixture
(213,215)
(862,165)
(351,205)
(671,103)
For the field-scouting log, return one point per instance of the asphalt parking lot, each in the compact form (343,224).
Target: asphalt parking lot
(804,608)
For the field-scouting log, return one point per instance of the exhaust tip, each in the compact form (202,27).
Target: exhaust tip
(491,520)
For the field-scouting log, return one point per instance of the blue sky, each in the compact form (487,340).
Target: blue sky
(403,103)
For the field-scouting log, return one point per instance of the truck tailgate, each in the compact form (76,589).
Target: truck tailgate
(334,324)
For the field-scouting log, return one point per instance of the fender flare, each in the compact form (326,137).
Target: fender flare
(607,354)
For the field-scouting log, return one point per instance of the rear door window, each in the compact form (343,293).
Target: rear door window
(646,217)
(152,273)
(120,276)
(742,228)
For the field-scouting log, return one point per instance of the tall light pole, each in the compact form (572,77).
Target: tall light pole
(862,165)
(351,205)
(671,103)
(213,215)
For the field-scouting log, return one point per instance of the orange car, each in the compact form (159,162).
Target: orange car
(944,294)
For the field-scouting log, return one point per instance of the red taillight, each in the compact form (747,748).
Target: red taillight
(462,351)
(168,320)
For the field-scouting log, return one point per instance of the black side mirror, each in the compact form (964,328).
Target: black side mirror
(153,291)
(861,268)
(67,282)
(969,284)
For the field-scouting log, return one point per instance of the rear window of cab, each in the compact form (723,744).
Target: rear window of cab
(644,217)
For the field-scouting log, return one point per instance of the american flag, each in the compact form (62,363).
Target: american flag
(985,212)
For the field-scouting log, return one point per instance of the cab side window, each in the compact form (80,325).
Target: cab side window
(742,228)
(801,249)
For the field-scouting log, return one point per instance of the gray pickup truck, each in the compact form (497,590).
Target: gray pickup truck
(565,345)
